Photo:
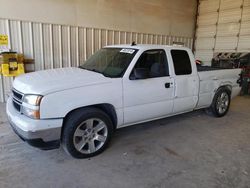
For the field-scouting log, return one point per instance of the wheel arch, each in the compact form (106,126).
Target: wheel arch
(227,87)
(109,109)
(212,107)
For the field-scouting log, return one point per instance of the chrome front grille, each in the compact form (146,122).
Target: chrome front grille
(17,99)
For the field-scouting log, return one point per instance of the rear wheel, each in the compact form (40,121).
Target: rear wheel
(86,133)
(221,102)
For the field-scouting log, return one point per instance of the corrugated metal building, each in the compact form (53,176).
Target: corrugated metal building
(65,34)
(222,26)
(56,46)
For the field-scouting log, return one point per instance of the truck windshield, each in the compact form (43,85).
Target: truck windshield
(111,62)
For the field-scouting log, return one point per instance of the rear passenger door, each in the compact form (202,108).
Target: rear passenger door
(186,81)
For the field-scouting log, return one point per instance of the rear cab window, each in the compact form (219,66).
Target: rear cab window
(181,61)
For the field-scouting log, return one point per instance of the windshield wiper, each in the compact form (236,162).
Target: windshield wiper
(81,67)
(104,74)
(94,70)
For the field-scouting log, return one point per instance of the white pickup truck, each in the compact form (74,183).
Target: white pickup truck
(120,85)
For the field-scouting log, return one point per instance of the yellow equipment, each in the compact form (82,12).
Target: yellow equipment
(11,64)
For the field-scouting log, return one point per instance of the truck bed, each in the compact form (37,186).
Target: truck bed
(207,73)
(208,68)
(211,78)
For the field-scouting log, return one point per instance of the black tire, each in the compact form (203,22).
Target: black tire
(74,121)
(215,106)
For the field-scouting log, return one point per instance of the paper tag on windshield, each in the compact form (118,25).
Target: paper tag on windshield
(129,51)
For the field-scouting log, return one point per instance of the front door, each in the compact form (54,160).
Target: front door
(150,97)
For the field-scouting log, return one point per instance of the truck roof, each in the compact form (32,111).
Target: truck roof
(146,46)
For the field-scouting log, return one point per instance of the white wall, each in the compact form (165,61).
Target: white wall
(51,11)
(168,17)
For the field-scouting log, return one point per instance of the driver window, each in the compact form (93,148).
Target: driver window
(154,62)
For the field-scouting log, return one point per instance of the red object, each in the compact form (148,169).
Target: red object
(246,72)
(198,62)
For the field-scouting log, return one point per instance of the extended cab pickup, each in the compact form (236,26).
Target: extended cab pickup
(118,86)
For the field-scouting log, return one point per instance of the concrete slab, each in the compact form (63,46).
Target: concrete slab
(189,150)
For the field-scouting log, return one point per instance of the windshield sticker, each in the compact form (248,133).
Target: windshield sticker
(128,51)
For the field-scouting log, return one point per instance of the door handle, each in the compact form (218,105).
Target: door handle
(168,84)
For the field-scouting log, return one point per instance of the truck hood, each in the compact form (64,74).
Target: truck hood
(49,81)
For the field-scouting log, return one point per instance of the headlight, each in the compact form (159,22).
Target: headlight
(32,99)
(30,106)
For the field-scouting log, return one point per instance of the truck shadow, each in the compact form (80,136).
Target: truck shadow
(157,125)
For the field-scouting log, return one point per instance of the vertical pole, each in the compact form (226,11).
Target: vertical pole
(85,44)
(77,47)
(2,89)
(238,39)
(195,25)
(92,41)
(8,33)
(42,45)
(119,37)
(113,37)
(215,37)
(60,46)
(20,35)
(69,46)
(100,39)
(125,37)
(107,37)
(31,40)
(51,46)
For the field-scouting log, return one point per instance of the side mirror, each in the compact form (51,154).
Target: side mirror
(140,73)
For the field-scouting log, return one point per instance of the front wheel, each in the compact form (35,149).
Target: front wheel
(221,102)
(86,133)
